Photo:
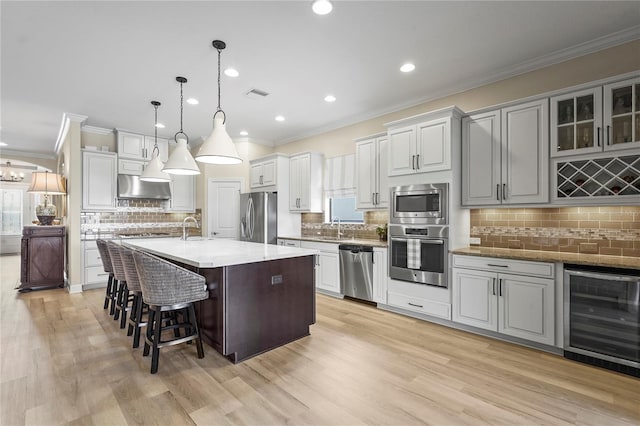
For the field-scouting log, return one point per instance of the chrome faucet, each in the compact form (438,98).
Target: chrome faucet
(185,235)
(338,219)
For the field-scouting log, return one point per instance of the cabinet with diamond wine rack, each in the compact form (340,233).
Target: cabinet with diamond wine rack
(597,179)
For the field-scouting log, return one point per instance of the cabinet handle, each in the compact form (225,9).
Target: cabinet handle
(377,198)
(608,140)
(373,198)
(504,191)
(418,162)
(598,132)
(497,266)
(500,287)
(413,304)
(497,191)
(494,287)
(413,162)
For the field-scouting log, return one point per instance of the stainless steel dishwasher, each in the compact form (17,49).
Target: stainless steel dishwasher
(356,271)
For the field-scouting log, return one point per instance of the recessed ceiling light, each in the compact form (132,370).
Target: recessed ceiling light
(3,144)
(322,7)
(408,67)
(160,126)
(279,118)
(193,101)
(231,72)
(244,133)
(329,98)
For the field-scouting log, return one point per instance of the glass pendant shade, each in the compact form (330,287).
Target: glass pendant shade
(180,161)
(153,172)
(218,148)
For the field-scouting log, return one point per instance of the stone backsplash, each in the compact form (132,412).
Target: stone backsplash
(612,230)
(313,225)
(138,217)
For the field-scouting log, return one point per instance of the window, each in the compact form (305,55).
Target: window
(344,208)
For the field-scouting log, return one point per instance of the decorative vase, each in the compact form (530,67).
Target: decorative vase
(46,212)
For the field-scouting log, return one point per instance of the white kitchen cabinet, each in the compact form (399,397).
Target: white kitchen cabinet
(380,275)
(372,187)
(597,119)
(183,194)
(135,146)
(505,156)
(515,298)
(99,181)
(130,167)
(163,148)
(327,269)
(305,182)
(94,274)
(422,143)
(288,242)
(263,173)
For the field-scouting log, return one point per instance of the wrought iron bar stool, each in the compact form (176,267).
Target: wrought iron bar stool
(167,289)
(122,296)
(112,283)
(133,284)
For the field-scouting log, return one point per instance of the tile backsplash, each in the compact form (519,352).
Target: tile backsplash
(313,225)
(613,230)
(137,216)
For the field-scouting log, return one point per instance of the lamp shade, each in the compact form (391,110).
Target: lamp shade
(46,183)
(180,161)
(218,148)
(153,172)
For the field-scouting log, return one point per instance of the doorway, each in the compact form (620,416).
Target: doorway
(223,206)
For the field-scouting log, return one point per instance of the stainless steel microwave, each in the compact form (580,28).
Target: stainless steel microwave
(420,204)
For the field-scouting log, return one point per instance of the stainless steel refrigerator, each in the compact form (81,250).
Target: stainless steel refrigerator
(259,217)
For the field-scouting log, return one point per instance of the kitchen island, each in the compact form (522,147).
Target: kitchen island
(260,296)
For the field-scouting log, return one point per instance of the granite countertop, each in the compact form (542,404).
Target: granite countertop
(628,262)
(319,239)
(214,253)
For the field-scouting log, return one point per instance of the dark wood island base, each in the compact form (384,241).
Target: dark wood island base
(255,307)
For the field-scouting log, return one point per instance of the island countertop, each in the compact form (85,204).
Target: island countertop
(214,253)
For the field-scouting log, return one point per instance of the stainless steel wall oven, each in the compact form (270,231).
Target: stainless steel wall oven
(601,317)
(419,254)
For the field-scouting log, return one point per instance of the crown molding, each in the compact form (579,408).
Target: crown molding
(96,130)
(28,154)
(562,55)
(67,118)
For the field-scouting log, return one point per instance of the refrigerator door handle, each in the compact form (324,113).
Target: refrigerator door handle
(250,214)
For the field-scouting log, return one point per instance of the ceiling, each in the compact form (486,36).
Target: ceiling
(108,60)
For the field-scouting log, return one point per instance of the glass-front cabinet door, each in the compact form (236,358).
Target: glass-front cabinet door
(622,114)
(576,123)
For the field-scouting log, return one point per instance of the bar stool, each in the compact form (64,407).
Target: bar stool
(122,298)
(133,284)
(112,283)
(168,289)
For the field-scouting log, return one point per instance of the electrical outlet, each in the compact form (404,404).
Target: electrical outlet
(276,279)
(474,241)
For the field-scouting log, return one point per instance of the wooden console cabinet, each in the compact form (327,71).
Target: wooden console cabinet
(42,257)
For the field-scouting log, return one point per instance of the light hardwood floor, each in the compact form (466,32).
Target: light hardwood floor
(65,361)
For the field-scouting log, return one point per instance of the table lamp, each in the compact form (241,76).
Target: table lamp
(48,184)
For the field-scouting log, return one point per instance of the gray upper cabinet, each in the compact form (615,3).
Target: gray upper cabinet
(422,143)
(134,146)
(505,156)
(597,119)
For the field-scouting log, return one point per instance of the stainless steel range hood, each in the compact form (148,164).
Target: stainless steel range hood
(130,186)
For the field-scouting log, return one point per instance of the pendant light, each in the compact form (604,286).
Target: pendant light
(181,162)
(153,172)
(219,148)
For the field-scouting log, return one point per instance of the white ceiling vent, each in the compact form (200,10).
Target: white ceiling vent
(256,94)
